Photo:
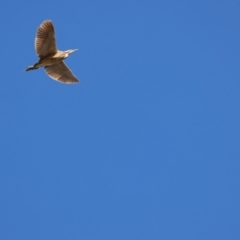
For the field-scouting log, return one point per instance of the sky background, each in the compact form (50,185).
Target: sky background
(146,147)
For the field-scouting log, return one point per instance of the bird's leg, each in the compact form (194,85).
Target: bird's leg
(31,67)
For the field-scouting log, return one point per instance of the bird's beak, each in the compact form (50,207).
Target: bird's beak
(72,50)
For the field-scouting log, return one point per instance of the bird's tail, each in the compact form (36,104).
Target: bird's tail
(30,68)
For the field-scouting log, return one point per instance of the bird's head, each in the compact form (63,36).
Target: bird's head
(66,53)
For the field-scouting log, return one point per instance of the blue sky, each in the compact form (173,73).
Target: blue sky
(147,146)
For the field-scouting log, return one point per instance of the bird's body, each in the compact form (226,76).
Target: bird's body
(49,57)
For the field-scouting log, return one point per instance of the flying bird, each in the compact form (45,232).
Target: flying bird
(50,57)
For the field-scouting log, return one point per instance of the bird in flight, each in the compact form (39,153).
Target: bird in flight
(49,57)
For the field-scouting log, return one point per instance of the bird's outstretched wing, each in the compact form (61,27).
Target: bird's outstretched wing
(45,43)
(60,72)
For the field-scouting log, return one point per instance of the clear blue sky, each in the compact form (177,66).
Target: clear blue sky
(146,147)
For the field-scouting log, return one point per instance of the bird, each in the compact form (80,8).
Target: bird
(50,57)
